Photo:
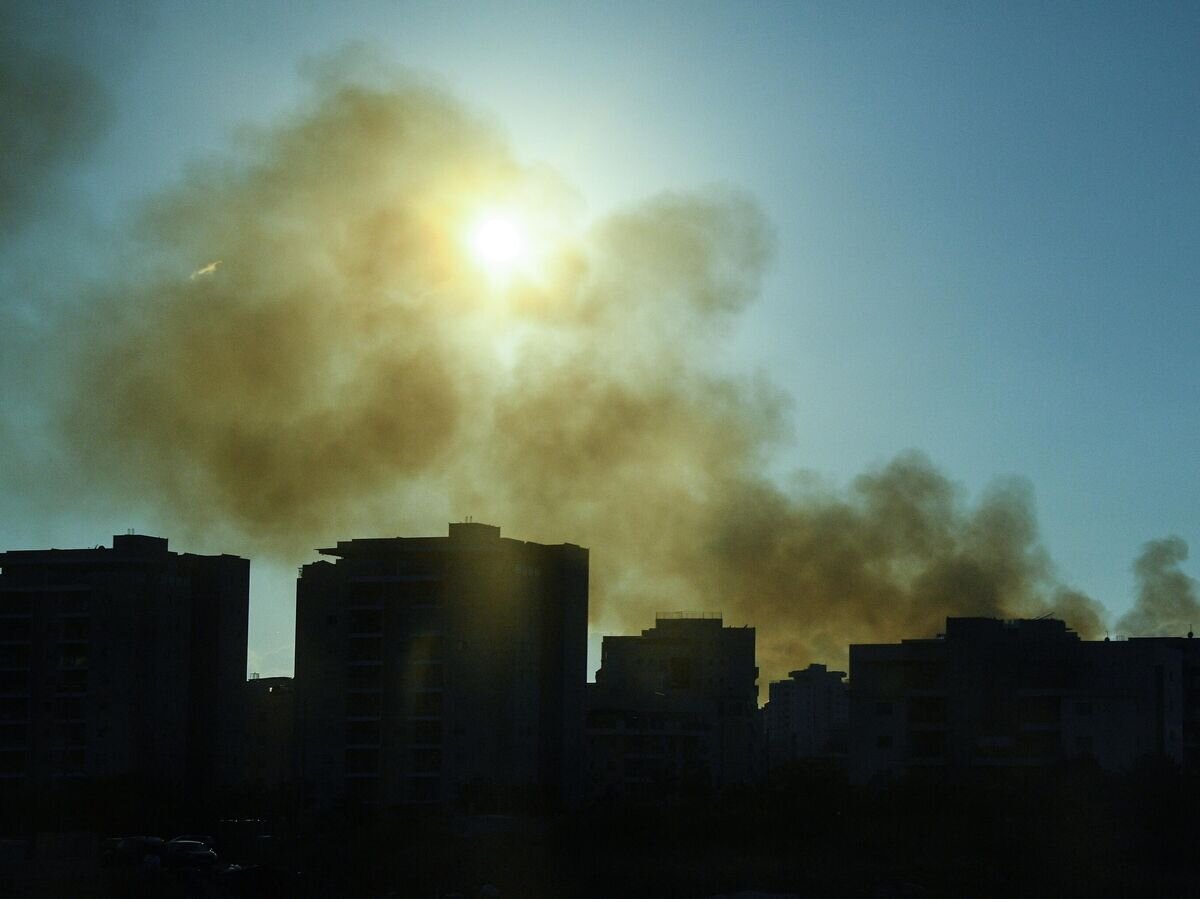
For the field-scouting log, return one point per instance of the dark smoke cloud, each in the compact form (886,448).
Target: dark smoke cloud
(1166,602)
(52,111)
(346,371)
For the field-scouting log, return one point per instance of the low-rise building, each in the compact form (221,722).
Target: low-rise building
(674,706)
(807,716)
(992,693)
(270,732)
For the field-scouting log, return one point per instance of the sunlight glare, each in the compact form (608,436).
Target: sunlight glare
(497,243)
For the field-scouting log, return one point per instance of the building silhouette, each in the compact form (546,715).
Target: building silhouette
(1188,649)
(270,732)
(124,663)
(807,716)
(436,668)
(991,693)
(674,707)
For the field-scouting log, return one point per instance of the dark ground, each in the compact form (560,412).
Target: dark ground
(1072,831)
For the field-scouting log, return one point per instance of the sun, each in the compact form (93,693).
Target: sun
(498,243)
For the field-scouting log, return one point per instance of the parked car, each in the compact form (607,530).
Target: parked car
(192,838)
(190,854)
(138,850)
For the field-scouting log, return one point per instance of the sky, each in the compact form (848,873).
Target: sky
(984,222)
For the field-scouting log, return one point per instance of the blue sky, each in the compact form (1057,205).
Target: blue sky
(986,215)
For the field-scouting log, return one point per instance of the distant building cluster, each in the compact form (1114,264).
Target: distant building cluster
(437,670)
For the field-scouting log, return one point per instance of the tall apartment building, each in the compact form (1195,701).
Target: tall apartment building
(429,665)
(126,662)
(991,693)
(676,705)
(807,716)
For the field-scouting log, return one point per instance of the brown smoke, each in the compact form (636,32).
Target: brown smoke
(348,371)
(1166,603)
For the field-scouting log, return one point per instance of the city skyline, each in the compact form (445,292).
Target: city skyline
(961,234)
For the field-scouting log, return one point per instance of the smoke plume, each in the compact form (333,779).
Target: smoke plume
(1166,602)
(349,370)
(51,113)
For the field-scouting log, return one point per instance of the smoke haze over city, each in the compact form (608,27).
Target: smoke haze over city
(299,338)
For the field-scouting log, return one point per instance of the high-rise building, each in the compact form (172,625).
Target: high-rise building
(427,667)
(126,662)
(675,706)
(992,693)
(807,716)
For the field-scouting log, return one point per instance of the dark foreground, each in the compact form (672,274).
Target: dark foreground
(1073,831)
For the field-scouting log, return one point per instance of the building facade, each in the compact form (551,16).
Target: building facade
(1188,649)
(270,732)
(123,663)
(427,667)
(673,707)
(991,693)
(807,716)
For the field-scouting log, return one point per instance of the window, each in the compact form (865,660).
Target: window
(883,742)
(13,735)
(427,704)
(14,709)
(883,708)
(72,734)
(365,649)
(364,676)
(73,681)
(68,708)
(427,676)
(76,628)
(14,628)
(422,789)
(12,762)
(679,673)
(426,648)
(362,789)
(15,604)
(366,621)
(72,655)
(14,681)
(927,710)
(426,761)
(362,733)
(362,761)
(427,732)
(14,656)
(363,705)
(1038,744)
(927,744)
